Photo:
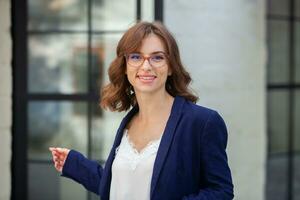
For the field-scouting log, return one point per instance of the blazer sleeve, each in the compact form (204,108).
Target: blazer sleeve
(82,170)
(216,172)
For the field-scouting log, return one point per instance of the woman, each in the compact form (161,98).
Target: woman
(166,147)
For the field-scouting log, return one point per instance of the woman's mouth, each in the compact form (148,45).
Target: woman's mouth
(146,78)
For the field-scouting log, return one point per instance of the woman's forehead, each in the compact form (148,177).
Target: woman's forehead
(150,44)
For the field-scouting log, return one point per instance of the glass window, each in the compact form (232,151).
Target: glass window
(69,46)
(278,121)
(278,37)
(278,7)
(45,183)
(296,158)
(58,63)
(104,129)
(57,15)
(147,7)
(297,52)
(296,122)
(282,183)
(277,177)
(103,53)
(62,124)
(111,15)
(297,8)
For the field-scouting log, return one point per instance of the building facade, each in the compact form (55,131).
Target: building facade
(54,56)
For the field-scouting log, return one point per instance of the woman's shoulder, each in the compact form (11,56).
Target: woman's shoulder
(196,109)
(200,114)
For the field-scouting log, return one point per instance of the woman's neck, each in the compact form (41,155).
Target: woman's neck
(154,106)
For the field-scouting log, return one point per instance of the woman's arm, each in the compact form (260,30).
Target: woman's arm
(77,167)
(216,173)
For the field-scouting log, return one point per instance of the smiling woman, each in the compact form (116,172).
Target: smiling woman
(166,147)
(150,39)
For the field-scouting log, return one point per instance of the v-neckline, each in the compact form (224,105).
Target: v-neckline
(133,147)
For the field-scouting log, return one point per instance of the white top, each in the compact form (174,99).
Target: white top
(132,170)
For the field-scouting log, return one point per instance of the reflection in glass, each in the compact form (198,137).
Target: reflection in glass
(112,14)
(296,121)
(103,53)
(104,123)
(278,52)
(44,182)
(297,8)
(62,124)
(104,129)
(296,181)
(278,7)
(58,64)
(278,121)
(147,10)
(297,51)
(277,178)
(57,15)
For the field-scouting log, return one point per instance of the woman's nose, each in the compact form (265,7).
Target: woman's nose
(146,65)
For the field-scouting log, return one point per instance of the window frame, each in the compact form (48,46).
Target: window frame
(21,96)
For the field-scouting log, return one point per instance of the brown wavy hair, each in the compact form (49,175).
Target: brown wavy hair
(118,95)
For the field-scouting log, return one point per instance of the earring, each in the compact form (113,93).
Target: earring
(130,90)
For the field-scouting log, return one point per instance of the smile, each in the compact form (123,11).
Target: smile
(146,78)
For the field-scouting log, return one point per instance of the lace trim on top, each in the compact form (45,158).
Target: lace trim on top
(128,153)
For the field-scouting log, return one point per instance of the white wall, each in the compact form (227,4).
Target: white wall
(223,46)
(5,100)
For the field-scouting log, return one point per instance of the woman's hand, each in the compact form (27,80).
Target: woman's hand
(59,156)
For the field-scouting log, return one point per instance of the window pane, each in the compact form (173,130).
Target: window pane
(277,177)
(57,15)
(104,129)
(297,8)
(296,189)
(44,182)
(296,122)
(58,63)
(103,53)
(278,65)
(62,124)
(296,178)
(94,196)
(148,10)
(113,14)
(297,51)
(278,7)
(278,121)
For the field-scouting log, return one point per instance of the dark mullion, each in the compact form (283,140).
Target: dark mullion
(272,86)
(47,162)
(62,97)
(41,32)
(90,88)
(158,10)
(282,17)
(138,10)
(19,114)
(291,104)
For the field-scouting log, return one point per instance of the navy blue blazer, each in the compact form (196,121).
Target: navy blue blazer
(191,161)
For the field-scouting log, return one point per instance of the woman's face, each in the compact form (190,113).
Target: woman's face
(148,76)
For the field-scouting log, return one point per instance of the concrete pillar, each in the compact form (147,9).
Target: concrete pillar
(5,99)
(223,46)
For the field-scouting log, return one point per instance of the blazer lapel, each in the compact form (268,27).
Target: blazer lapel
(104,187)
(166,140)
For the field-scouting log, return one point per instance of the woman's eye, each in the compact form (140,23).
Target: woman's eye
(157,58)
(135,57)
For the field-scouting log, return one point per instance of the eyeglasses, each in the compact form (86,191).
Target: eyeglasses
(158,59)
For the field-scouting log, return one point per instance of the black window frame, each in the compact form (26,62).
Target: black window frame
(291,87)
(21,97)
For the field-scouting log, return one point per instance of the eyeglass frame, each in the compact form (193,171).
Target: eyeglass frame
(147,57)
